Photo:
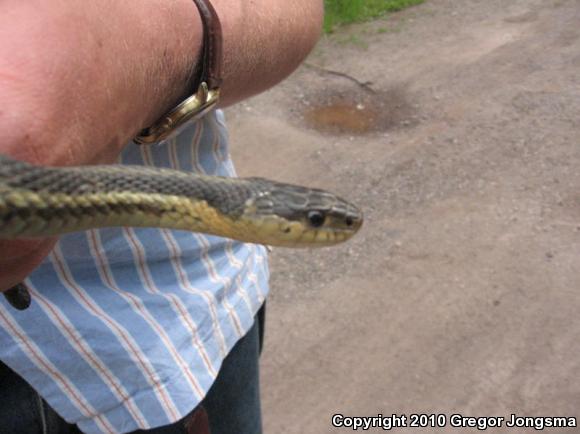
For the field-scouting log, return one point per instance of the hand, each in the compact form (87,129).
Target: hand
(78,79)
(81,78)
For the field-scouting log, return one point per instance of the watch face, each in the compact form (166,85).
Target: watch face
(173,122)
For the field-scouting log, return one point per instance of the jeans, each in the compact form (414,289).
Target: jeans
(232,405)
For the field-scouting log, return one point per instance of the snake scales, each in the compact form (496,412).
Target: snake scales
(40,201)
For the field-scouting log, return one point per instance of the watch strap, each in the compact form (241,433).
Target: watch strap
(205,90)
(211,67)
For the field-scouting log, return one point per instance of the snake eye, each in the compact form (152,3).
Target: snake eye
(349,221)
(316,218)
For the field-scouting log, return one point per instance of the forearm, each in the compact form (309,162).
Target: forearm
(264,41)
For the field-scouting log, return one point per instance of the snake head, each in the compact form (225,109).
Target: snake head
(296,216)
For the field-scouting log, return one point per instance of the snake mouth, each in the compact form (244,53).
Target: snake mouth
(338,233)
(279,231)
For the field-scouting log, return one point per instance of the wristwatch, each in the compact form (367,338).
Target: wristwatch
(206,88)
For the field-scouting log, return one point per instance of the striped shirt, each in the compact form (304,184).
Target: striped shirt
(129,326)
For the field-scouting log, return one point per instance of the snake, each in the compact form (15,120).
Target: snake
(39,201)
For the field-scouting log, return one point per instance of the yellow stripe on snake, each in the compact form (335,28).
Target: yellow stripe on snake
(40,201)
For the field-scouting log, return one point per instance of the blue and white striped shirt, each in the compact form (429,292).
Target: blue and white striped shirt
(129,327)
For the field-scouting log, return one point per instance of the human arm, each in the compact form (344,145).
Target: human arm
(79,79)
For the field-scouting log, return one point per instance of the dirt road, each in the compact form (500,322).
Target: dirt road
(462,292)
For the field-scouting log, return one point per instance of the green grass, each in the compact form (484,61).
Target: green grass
(339,12)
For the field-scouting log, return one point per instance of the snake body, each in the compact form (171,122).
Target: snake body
(38,201)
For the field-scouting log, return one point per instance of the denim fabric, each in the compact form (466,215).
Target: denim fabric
(232,403)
